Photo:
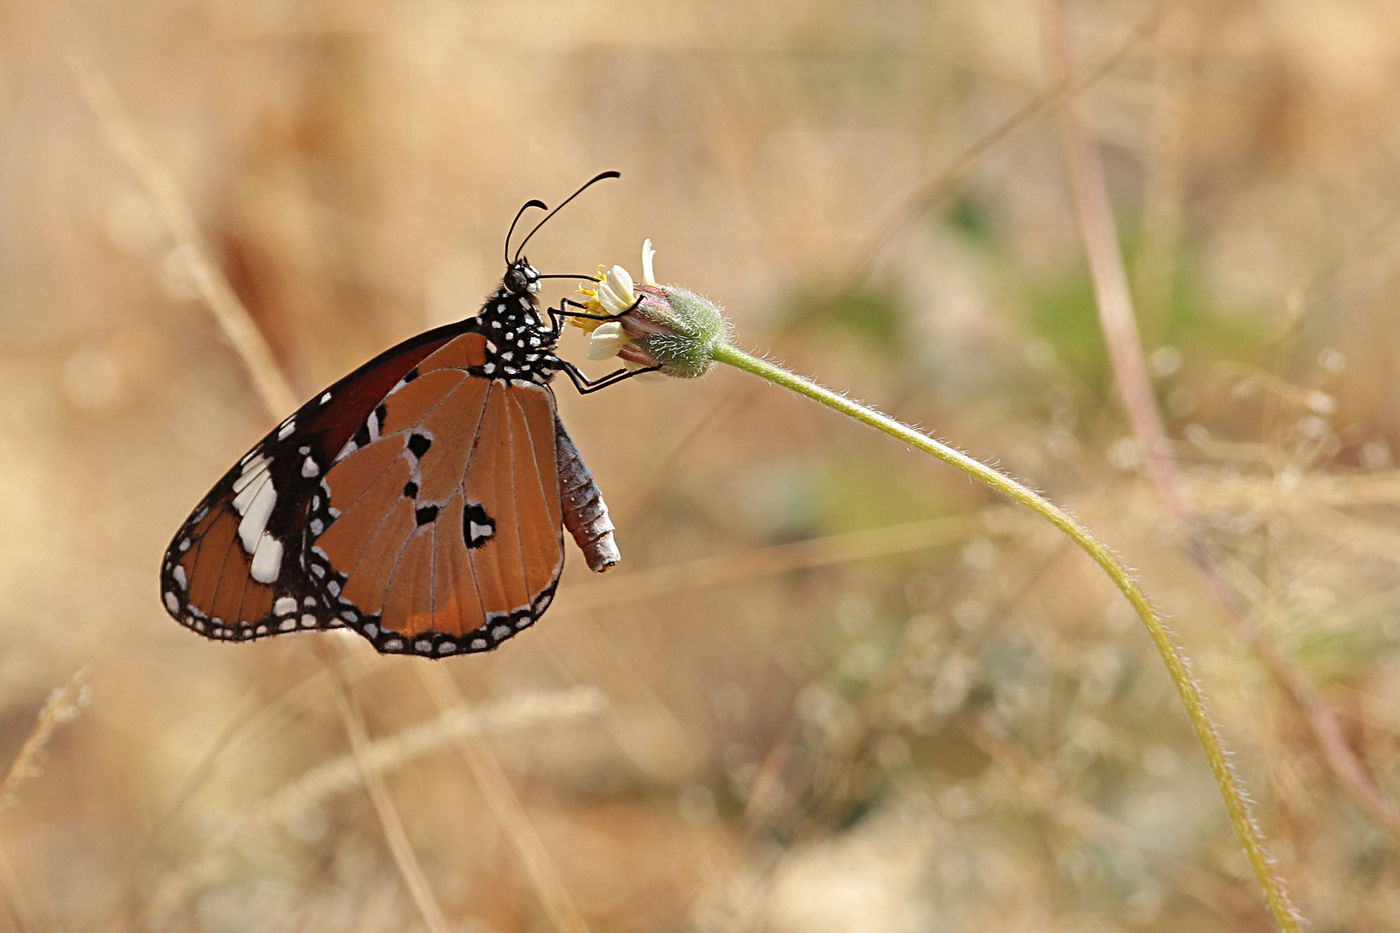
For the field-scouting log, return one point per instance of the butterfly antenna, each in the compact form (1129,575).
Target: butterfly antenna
(582,278)
(533,202)
(586,185)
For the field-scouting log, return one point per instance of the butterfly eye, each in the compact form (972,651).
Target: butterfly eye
(521,278)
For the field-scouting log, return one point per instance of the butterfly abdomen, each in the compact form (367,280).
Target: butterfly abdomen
(585,513)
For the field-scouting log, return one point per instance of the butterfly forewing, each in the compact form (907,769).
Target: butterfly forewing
(235,569)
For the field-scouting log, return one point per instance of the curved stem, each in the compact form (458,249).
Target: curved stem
(1250,837)
(1118,324)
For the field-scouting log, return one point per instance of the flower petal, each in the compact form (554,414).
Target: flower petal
(615,291)
(606,341)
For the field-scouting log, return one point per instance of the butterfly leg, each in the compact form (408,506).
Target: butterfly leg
(557,315)
(586,385)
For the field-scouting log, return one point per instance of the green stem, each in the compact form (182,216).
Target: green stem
(1248,832)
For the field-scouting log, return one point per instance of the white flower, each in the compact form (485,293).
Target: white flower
(665,329)
(615,295)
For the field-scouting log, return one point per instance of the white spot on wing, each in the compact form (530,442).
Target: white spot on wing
(172,602)
(287,428)
(309,468)
(481,532)
(325,397)
(256,510)
(284,606)
(267,559)
(179,574)
(253,467)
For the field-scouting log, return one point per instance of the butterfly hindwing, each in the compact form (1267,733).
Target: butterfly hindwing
(444,532)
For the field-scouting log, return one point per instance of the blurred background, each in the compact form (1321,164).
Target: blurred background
(834,685)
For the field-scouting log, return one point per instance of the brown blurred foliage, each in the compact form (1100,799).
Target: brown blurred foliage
(832,686)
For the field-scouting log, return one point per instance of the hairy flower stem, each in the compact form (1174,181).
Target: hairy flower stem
(1250,837)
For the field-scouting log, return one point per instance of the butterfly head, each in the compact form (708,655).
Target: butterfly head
(511,314)
(521,278)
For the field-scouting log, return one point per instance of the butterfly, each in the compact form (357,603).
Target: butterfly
(418,501)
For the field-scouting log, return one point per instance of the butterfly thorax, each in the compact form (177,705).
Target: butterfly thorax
(519,345)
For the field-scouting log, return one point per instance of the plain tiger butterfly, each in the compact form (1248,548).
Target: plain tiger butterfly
(418,501)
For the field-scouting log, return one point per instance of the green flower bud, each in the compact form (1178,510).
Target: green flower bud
(653,325)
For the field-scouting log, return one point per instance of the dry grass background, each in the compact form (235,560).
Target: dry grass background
(833,686)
